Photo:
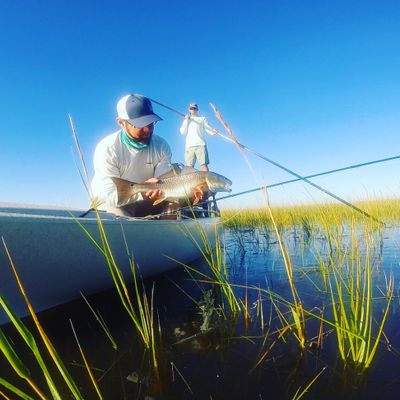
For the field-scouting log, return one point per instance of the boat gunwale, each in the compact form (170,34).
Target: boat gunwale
(7,216)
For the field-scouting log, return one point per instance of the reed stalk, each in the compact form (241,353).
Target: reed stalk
(27,336)
(300,393)
(143,319)
(351,290)
(88,369)
(14,390)
(19,367)
(143,316)
(297,310)
(214,255)
(101,322)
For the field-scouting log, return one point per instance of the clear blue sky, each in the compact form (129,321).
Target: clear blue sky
(313,85)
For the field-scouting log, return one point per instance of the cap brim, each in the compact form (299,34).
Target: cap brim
(141,122)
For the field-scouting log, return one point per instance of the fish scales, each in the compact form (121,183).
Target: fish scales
(174,188)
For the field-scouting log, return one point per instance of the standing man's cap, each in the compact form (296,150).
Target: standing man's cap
(137,110)
(193,105)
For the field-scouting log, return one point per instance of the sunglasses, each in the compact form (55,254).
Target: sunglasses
(193,108)
(152,124)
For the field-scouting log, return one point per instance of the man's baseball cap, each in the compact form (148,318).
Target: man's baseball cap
(137,110)
(193,105)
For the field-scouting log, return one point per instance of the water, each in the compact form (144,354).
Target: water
(220,363)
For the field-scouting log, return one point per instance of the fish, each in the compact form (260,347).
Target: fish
(176,186)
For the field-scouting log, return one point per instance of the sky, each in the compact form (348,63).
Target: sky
(312,85)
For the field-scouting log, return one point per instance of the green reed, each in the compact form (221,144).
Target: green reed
(142,315)
(15,361)
(267,214)
(351,285)
(301,392)
(309,216)
(101,322)
(85,361)
(213,253)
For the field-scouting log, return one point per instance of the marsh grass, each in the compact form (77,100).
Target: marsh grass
(144,323)
(347,274)
(296,309)
(15,361)
(213,253)
(141,313)
(311,216)
(87,366)
(101,322)
(348,260)
(354,304)
(296,324)
(301,392)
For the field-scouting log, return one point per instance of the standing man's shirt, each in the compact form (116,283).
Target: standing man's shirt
(195,129)
(113,158)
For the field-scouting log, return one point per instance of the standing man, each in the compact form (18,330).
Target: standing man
(132,153)
(194,127)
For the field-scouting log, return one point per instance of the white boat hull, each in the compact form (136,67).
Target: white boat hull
(56,260)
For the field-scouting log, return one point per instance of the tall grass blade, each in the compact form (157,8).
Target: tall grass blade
(100,320)
(14,390)
(16,363)
(12,357)
(51,350)
(298,395)
(31,343)
(88,369)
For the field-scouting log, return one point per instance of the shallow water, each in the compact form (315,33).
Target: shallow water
(219,363)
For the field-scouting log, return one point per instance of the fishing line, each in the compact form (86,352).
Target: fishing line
(332,171)
(273,185)
(233,140)
(299,177)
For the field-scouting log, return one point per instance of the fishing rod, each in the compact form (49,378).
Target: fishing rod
(299,177)
(332,171)
(273,185)
(168,108)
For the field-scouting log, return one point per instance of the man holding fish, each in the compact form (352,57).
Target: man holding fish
(134,154)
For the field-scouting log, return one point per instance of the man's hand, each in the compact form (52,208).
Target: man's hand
(154,194)
(200,193)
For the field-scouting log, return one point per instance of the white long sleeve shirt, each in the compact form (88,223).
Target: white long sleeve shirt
(113,158)
(195,129)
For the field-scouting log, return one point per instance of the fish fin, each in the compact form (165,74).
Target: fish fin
(174,171)
(188,170)
(158,201)
(125,190)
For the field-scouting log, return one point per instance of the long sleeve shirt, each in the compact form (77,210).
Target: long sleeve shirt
(194,129)
(113,158)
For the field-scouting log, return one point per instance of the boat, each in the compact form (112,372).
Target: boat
(56,260)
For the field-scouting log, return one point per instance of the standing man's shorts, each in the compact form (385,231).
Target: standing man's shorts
(198,153)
